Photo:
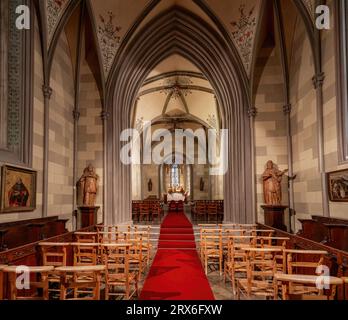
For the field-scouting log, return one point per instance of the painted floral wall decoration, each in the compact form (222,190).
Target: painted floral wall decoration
(54,11)
(243,31)
(109,39)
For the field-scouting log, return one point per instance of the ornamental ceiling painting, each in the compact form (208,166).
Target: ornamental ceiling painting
(114,18)
(240,18)
(54,11)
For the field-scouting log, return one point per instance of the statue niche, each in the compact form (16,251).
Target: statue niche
(87,187)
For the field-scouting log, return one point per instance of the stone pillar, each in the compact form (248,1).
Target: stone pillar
(252,112)
(287,112)
(47,93)
(318,81)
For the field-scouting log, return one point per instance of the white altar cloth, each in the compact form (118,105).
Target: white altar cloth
(175,197)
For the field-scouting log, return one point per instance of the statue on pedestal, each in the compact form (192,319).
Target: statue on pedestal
(87,187)
(272,190)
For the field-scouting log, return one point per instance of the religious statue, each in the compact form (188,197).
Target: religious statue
(272,178)
(87,187)
(149,185)
(201,185)
(18,194)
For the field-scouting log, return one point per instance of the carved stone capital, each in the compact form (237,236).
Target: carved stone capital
(47,91)
(252,112)
(318,80)
(287,109)
(105,115)
(76,115)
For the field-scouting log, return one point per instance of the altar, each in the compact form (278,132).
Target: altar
(175,196)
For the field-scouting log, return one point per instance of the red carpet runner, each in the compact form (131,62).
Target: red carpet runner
(176,272)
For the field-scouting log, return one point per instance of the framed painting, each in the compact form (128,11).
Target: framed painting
(18,190)
(338,185)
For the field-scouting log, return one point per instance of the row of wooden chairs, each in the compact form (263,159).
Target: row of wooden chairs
(147,211)
(204,210)
(123,252)
(258,264)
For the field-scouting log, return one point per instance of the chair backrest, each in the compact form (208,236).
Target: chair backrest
(303,261)
(54,254)
(86,237)
(116,259)
(85,254)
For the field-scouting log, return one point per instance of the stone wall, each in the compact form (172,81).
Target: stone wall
(61,143)
(270,125)
(304,122)
(90,131)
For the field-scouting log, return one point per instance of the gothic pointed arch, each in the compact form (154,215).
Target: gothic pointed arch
(179,31)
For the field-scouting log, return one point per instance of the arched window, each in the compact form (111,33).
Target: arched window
(175,176)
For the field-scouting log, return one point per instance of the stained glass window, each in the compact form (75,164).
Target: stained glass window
(175,176)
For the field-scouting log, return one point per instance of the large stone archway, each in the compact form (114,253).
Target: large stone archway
(179,31)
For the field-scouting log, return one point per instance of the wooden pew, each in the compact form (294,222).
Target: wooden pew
(19,233)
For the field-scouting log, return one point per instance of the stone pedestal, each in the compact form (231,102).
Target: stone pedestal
(88,216)
(274,216)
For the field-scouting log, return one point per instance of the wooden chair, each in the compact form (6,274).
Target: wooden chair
(54,254)
(84,281)
(260,274)
(135,211)
(85,254)
(118,274)
(289,281)
(2,267)
(146,241)
(211,252)
(303,262)
(89,237)
(40,282)
(212,211)
(200,211)
(137,258)
(156,212)
(236,263)
(144,212)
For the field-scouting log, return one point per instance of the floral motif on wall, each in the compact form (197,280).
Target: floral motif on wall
(54,11)
(243,31)
(109,39)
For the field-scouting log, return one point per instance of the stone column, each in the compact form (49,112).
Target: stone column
(287,112)
(107,217)
(252,112)
(47,93)
(318,81)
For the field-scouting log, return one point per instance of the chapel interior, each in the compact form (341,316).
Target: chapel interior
(102,199)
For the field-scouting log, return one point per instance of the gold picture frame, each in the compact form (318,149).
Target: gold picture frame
(338,185)
(18,190)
